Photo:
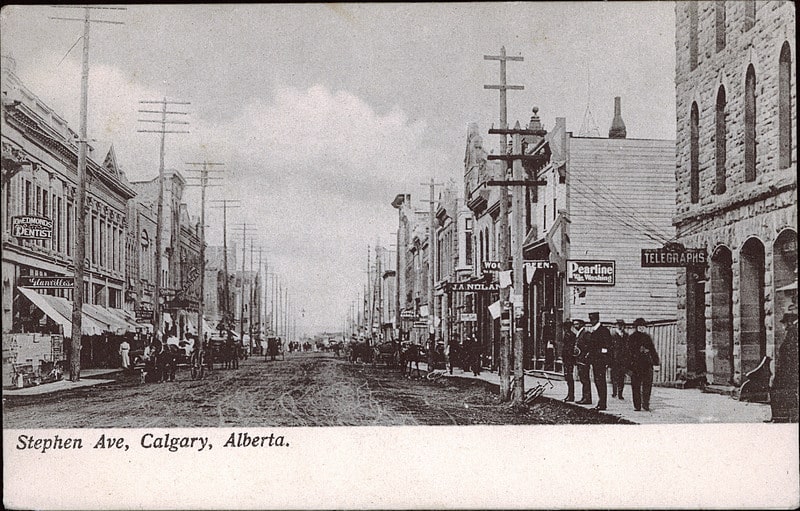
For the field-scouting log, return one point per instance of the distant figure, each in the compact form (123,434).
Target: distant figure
(619,358)
(582,351)
(783,393)
(643,358)
(454,352)
(124,350)
(474,354)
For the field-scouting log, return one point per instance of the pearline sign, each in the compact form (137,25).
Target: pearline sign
(47,282)
(31,227)
(469,287)
(671,258)
(590,273)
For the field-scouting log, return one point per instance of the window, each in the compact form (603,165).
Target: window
(554,209)
(694,155)
(69,228)
(94,241)
(720,134)
(719,9)
(28,198)
(750,124)
(544,218)
(692,35)
(749,14)
(785,107)
(468,243)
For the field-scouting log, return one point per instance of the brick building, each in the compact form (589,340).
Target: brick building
(736,184)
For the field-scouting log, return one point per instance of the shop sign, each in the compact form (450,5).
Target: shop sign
(598,273)
(420,324)
(144,314)
(492,266)
(672,257)
(31,227)
(470,287)
(467,317)
(408,314)
(539,264)
(47,282)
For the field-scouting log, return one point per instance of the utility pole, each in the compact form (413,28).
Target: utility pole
(519,183)
(505,362)
(244,230)
(80,235)
(204,183)
(226,303)
(160,208)
(431,270)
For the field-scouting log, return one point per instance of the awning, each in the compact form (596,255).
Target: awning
(789,287)
(57,307)
(41,302)
(113,323)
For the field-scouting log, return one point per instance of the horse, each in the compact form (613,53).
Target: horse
(360,351)
(411,354)
(166,361)
(230,354)
(385,352)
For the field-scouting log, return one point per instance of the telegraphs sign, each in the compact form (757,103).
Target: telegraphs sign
(31,227)
(672,257)
(588,273)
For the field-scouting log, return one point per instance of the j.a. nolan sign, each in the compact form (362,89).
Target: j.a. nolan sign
(31,227)
(47,282)
(466,287)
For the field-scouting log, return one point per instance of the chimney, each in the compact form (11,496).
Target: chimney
(617,125)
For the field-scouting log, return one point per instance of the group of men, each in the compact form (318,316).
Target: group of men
(466,356)
(592,348)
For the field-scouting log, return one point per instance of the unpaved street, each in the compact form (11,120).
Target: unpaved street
(303,390)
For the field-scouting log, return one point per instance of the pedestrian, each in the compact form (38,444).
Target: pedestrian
(600,355)
(783,398)
(475,357)
(582,352)
(619,358)
(454,349)
(643,357)
(124,351)
(571,328)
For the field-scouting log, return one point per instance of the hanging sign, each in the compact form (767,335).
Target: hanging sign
(47,282)
(144,314)
(598,273)
(31,227)
(469,287)
(672,257)
(492,266)
(408,314)
(467,317)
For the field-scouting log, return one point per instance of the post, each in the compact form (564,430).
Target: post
(431,276)
(80,235)
(505,363)
(519,236)
(241,305)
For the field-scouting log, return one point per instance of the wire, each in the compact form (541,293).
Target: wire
(70,49)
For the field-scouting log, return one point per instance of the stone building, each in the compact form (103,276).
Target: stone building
(736,168)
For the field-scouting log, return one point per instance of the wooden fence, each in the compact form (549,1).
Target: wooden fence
(665,337)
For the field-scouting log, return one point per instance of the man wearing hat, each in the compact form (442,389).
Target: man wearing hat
(783,393)
(599,357)
(619,358)
(582,353)
(643,358)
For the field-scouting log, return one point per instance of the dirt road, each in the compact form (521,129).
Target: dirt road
(303,390)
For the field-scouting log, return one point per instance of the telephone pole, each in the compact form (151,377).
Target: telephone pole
(244,230)
(80,235)
(534,134)
(226,303)
(431,270)
(505,363)
(203,184)
(162,130)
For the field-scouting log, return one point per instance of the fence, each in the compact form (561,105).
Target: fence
(665,337)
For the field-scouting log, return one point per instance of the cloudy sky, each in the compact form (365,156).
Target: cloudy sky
(323,113)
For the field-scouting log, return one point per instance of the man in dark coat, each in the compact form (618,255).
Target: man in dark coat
(582,352)
(599,357)
(568,355)
(783,393)
(454,352)
(619,358)
(643,358)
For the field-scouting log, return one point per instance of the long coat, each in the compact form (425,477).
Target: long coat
(600,346)
(643,352)
(568,348)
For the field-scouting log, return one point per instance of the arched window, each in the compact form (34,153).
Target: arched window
(719,10)
(750,124)
(785,107)
(749,14)
(692,35)
(694,158)
(720,135)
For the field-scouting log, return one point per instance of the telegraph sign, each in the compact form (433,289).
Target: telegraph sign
(470,287)
(672,257)
(31,227)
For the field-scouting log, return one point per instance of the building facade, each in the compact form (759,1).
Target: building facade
(736,171)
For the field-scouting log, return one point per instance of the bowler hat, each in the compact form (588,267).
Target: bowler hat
(620,321)
(578,320)
(594,316)
(639,322)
